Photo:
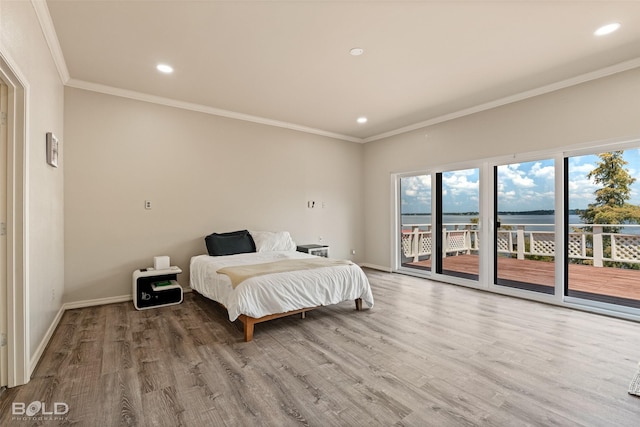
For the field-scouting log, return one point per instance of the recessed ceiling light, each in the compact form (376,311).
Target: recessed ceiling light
(362,120)
(607,29)
(164,68)
(356,51)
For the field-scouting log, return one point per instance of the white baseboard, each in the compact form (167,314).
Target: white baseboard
(45,340)
(104,301)
(376,267)
(97,301)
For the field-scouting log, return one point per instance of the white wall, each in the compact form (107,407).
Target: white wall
(22,41)
(600,110)
(203,174)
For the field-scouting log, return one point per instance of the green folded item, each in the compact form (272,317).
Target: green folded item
(165,283)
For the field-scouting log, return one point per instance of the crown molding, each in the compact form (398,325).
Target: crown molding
(594,75)
(49,31)
(583,78)
(138,96)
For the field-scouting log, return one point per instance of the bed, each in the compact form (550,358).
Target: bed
(259,276)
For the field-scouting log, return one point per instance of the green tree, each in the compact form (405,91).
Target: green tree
(611,205)
(614,190)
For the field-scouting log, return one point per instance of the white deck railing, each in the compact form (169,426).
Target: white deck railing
(463,238)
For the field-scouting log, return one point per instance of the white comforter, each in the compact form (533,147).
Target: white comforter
(277,293)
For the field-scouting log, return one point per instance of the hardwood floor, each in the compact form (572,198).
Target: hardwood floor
(427,354)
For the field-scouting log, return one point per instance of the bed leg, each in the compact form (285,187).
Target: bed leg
(248,330)
(303,315)
(359,304)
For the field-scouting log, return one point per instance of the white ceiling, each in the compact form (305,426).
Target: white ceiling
(288,62)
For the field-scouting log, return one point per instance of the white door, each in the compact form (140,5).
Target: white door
(4,96)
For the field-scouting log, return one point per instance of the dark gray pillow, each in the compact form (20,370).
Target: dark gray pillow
(235,242)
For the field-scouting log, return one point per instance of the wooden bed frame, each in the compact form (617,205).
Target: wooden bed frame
(249,322)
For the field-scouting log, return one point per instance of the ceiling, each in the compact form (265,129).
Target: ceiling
(287,62)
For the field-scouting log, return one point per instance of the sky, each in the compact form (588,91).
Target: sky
(521,186)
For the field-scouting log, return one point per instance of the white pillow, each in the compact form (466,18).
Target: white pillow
(273,241)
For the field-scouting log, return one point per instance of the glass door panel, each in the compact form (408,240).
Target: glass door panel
(524,229)
(603,235)
(457,214)
(416,239)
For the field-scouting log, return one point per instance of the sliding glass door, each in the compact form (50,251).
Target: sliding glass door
(416,238)
(524,232)
(457,215)
(602,213)
(567,230)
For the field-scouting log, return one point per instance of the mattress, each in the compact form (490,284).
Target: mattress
(280,292)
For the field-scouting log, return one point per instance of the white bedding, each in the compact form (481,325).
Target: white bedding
(280,292)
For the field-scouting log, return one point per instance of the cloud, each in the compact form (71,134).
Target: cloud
(458,182)
(526,186)
(416,193)
(414,186)
(581,169)
(523,181)
(515,175)
(460,190)
(544,172)
(508,195)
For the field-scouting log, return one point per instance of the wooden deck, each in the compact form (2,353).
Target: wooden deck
(611,282)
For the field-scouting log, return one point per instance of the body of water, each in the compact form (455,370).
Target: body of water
(535,222)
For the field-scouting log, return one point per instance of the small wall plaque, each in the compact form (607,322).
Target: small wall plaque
(52,149)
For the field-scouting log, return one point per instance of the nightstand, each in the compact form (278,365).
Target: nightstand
(156,288)
(318,250)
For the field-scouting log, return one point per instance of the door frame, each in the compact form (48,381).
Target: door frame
(17,223)
(396,215)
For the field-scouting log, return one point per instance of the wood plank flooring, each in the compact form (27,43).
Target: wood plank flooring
(427,354)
